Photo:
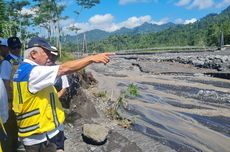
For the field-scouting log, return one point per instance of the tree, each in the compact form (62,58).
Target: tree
(2,16)
(44,15)
(49,15)
(15,16)
(87,4)
(12,21)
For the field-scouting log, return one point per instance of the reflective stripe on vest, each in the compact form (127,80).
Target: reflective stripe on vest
(28,129)
(54,110)
(19,93)
(28,114)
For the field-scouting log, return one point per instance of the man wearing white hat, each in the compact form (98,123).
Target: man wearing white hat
(61,84)
(3,95)
(4,50)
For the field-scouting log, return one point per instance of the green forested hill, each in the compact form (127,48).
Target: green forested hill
(205,32)
(143,29)
(93,35)
(97,35)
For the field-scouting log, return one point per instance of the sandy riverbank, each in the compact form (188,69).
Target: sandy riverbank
(178,107)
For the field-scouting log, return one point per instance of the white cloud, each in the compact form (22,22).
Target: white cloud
(67,22)
(183,2)
(30,11)
(181,21)
(202,4)
(81,26)
(124,2)
(223,3)
(106,23)
(135,21)
(66,3)
(101,19)
(190,21)
(160,22)
(103,22)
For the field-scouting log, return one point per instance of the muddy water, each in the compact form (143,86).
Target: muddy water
(186,111)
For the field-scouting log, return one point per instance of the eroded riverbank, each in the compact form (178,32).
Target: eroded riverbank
(178,105)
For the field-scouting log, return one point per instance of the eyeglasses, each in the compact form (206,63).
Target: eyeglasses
(17,47)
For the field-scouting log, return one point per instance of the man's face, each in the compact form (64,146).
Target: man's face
(16,50)
(52,59)
(4,50)
(41,57)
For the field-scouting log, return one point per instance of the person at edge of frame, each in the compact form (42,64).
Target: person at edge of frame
(3,103)
(8,68)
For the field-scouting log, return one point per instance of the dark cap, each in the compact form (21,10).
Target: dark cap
(40,42)
(14,42)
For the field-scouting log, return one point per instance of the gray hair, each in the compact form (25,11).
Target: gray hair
(29,50)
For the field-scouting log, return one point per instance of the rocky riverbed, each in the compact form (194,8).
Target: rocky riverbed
(180,105)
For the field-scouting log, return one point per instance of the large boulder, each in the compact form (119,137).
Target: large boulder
(94,134)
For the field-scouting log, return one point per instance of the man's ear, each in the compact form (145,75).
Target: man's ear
(33,54)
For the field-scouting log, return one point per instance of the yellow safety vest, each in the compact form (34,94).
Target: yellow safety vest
(36,113)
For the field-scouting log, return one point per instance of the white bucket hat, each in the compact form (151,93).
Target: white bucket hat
(3,41)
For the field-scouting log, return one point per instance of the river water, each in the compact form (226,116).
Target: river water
(177,105)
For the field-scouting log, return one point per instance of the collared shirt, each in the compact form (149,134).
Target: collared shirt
(40,78)
(65,82)
(6,67)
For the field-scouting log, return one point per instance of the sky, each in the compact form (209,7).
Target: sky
(111,15)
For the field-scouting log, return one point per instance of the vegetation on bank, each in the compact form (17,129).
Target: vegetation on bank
(116,109)
(66,56)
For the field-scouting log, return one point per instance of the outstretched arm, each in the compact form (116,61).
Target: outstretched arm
(75,65)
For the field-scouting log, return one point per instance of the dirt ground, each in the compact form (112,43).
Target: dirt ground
(179,107)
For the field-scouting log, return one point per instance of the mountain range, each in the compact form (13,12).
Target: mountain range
(204,32)
(97,35)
